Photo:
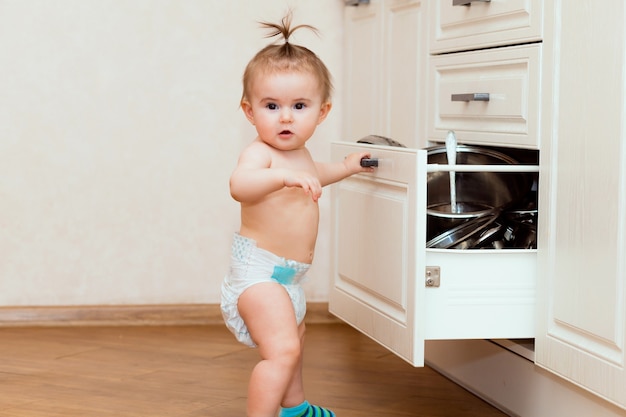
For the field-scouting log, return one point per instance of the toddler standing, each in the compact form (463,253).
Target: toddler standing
(286,95)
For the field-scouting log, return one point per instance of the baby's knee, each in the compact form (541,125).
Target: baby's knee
(291,347)
(287,350)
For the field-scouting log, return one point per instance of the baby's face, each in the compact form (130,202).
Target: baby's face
(285,108)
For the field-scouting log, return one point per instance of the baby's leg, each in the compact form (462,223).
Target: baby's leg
(295,390)
(269,316)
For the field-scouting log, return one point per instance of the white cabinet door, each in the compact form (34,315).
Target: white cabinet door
(362,71)
(384,70)
(582,285)
(404,73)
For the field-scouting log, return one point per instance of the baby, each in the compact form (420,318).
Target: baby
(286,95)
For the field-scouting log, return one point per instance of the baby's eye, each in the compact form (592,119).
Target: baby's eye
(272,106)
(299,106)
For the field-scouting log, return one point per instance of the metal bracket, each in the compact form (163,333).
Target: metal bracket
(433,276)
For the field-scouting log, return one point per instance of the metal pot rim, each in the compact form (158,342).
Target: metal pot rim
(461,232)
(506,159)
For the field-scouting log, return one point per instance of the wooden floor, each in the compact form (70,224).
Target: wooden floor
(192,371)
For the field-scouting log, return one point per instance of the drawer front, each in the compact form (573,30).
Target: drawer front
(375,233)
(485,24)
(459,85)
(482,294)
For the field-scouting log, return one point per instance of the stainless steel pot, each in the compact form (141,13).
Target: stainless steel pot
(478,194)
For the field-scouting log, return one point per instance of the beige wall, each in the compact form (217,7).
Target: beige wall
(119,127)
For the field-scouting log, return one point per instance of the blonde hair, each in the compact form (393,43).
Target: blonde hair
(286,57)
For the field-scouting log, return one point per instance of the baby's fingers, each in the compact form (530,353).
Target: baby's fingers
(314,188)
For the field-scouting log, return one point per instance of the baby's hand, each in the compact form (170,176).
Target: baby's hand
(352,162)
(309,183)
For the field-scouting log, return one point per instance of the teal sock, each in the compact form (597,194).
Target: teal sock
(305,410)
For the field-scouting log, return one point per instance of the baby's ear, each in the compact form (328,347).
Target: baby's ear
(324,110)
(247,110)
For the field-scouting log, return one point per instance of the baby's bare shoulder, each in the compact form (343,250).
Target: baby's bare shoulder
(256,153)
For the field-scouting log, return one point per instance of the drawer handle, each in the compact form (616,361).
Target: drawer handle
(470,97)
(466,2)
(369,162)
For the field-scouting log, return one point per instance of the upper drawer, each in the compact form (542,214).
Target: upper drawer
(510,78)
(484,24)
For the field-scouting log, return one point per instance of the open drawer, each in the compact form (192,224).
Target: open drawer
(389,286)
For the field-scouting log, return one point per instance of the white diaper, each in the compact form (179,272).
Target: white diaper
(251,265)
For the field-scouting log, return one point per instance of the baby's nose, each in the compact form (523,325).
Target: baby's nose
(286,115)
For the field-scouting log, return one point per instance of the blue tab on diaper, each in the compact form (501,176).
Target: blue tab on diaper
(284,275)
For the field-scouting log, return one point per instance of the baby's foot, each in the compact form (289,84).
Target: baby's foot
(306,410)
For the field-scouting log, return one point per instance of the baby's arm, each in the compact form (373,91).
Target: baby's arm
(330,173)
(253,179)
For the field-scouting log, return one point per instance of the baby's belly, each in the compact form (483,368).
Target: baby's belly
(285,237)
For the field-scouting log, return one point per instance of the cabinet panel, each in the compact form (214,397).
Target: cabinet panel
(583,228)
(484,294)
(384,70)
(363,72)
(404,72)
(374,245)
(485,24)
(511,79)
(384,241)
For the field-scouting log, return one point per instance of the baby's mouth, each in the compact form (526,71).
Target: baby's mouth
(285,132)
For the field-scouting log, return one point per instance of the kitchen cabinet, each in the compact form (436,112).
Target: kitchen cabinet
(555,86)
(581,333)
(381,264)
(384,51)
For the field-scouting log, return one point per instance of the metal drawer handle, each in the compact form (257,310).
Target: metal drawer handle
(470,97)
(466,2)
(369,162)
